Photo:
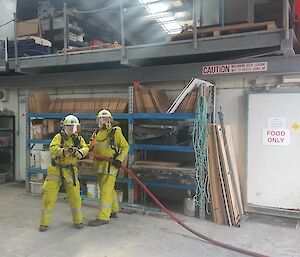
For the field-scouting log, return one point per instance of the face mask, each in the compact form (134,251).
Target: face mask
(69,130)
(104,123)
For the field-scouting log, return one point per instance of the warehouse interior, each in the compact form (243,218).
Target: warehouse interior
(206,94)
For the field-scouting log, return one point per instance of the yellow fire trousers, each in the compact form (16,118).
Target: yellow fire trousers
(108,197)
(50,189)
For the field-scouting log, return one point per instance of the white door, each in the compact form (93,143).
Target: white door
(273,158)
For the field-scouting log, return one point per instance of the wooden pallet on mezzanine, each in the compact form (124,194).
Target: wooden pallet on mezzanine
(226,30)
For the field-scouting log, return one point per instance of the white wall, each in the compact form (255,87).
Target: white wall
(8,7)
(231,96)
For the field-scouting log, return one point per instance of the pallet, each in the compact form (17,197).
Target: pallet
(91,48)
(226,30)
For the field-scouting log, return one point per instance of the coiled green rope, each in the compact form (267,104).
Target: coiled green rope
(200,146)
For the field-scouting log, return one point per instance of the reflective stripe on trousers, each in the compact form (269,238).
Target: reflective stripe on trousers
(112,172)
(105,206)
(76,210)
(45,212)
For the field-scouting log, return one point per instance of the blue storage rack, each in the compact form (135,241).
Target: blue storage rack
(133,147)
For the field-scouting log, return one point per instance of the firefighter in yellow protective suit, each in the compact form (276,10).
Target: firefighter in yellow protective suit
(66,148)
(108,141)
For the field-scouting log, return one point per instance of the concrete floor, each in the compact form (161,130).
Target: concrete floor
(131,234)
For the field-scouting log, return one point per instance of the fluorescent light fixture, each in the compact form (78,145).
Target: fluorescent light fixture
(179,15)
(177,3)
(158,15)
(147,1)
(166,19)
(171,26)
(177,31)
(158,11)
(157,7)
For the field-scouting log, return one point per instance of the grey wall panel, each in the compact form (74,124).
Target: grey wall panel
(235,11)
(210,12)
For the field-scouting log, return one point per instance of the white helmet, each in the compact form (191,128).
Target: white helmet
(102,120)
(104,113)
(70,120)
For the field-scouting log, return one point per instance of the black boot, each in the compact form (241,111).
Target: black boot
(98,222)
(43,228)
(78,226)
(113,215)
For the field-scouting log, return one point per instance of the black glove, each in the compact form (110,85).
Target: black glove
(117,163)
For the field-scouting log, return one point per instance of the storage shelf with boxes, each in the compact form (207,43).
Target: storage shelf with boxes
(45,115)
(144,108)
(162,151)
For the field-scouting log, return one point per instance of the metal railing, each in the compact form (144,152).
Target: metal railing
(196,23)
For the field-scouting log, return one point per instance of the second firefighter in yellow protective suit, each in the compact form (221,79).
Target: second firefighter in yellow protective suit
(66,148)
(108,141)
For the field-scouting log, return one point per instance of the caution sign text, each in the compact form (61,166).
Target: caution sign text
(235,68)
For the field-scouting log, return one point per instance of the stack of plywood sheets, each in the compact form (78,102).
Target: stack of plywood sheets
(147,100)
(186,101)
(39,102)
(114,105)
(224,201)
(189,103)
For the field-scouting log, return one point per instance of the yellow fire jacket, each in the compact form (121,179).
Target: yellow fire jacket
(56,148)
(112,144)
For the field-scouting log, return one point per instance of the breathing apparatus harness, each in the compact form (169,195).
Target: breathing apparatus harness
(71,150)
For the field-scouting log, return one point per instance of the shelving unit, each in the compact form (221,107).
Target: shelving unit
(7,146)
(174,117)
(132,119)
(54,28)
(32,142)
(133,147)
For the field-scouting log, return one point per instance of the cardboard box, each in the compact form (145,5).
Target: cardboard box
(38,131)
(51,126)
(29,28)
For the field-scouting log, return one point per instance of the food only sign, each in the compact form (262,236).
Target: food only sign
(276,137)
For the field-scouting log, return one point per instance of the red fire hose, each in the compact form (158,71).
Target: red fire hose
(217,243)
